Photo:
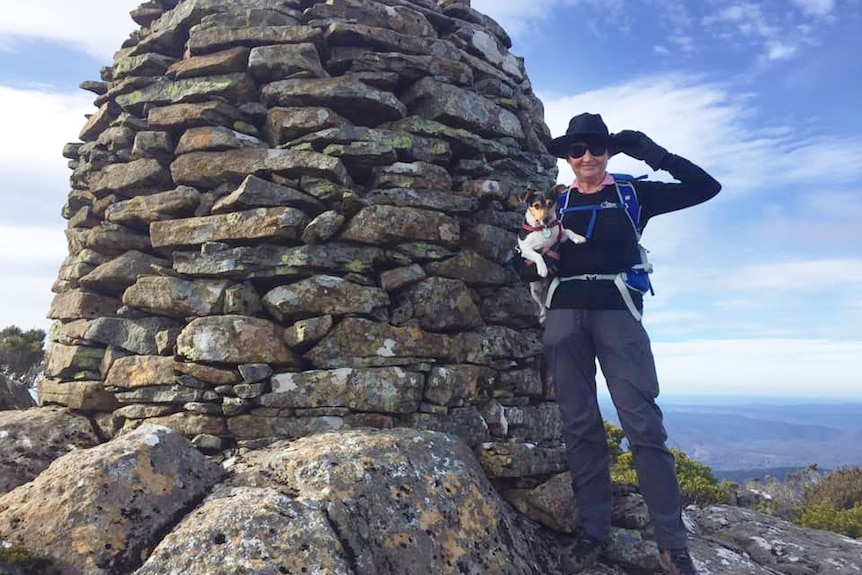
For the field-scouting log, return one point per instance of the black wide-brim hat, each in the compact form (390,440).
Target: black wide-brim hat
(582,128)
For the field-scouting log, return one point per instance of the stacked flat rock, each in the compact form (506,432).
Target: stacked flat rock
(291,216)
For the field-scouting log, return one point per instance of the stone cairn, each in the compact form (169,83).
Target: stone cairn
(291,216)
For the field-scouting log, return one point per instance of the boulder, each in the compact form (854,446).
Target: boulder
(125,493)
(31,439)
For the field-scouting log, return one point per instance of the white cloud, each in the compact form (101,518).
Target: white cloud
(37,124)
(35,254)
(785,367)
(712,124)
(519,17)
(779,32)
(791,276)
(25,301)
(31,246)
(69,23)
(819,8)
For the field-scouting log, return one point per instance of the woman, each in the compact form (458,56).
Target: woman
(591,316)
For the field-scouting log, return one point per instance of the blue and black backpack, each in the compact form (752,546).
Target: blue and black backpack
(636,277)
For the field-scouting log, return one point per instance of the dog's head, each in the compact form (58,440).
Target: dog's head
(541,204)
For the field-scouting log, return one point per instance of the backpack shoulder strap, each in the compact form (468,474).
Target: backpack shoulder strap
(629,198)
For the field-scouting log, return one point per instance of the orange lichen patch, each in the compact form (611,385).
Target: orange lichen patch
(151,480)
(399,540)
(112,540)
(430,519)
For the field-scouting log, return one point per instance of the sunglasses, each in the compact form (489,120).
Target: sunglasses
(578,150)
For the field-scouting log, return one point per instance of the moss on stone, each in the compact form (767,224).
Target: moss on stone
(26,561)
(356,266)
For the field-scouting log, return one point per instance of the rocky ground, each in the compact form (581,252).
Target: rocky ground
(354,502)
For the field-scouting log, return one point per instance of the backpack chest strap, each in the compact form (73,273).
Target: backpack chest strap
(594,208)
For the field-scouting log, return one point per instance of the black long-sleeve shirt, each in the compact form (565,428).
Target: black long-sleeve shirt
(613,248)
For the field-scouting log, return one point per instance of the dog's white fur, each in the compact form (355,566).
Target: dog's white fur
(535,243)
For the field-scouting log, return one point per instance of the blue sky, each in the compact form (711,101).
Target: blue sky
(758,292)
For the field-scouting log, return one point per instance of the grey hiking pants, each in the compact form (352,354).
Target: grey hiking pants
(574,339)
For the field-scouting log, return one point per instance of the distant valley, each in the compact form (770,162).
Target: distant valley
(729,434)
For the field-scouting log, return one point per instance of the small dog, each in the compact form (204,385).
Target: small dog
(540,234)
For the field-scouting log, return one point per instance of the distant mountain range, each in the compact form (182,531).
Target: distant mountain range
(755,434)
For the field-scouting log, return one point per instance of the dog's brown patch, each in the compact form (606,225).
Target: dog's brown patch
(542,204)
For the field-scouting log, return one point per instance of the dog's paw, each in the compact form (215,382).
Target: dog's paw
(542,269)
(575,238)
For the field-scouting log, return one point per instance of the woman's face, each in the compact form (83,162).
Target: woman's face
(588,160)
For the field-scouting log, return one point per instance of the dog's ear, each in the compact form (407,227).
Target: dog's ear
(527,197)
(557,190)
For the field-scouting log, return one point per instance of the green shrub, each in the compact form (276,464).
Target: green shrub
(615,440)
(696,481)
(841,488)
(834,504)
(825,516)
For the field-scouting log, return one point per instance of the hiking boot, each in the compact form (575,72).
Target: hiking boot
(582,553)
(676,562)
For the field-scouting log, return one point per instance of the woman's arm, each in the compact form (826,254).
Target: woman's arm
(695,186)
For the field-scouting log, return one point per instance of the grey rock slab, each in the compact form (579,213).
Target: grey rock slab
(323,294)
(259,223)
(414,175)
(268,63)
(422,152)
(386,390)
(779,545)
(426,199)
(352,99)
(145,336)
(380,488)
(234,88)
(287,124)
(455,385)
(501,460)
(461,108)
(211,169)
(124,494)
(89,396)
(142,210)
(368,344)
(443,304)
(183,116)
(254,526)
(380,39)
(463,142)
(215,138)
(411,67)
(216,38)
(80,304)
(30,440)
(471,268)
(234,339)
(400,19)
(323,227)
(230,61)
(108,238)
(276,261)
(382,225)
(307,332)
(177,297)
(256,192)
(141,371)
(144,176)
(393,279)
